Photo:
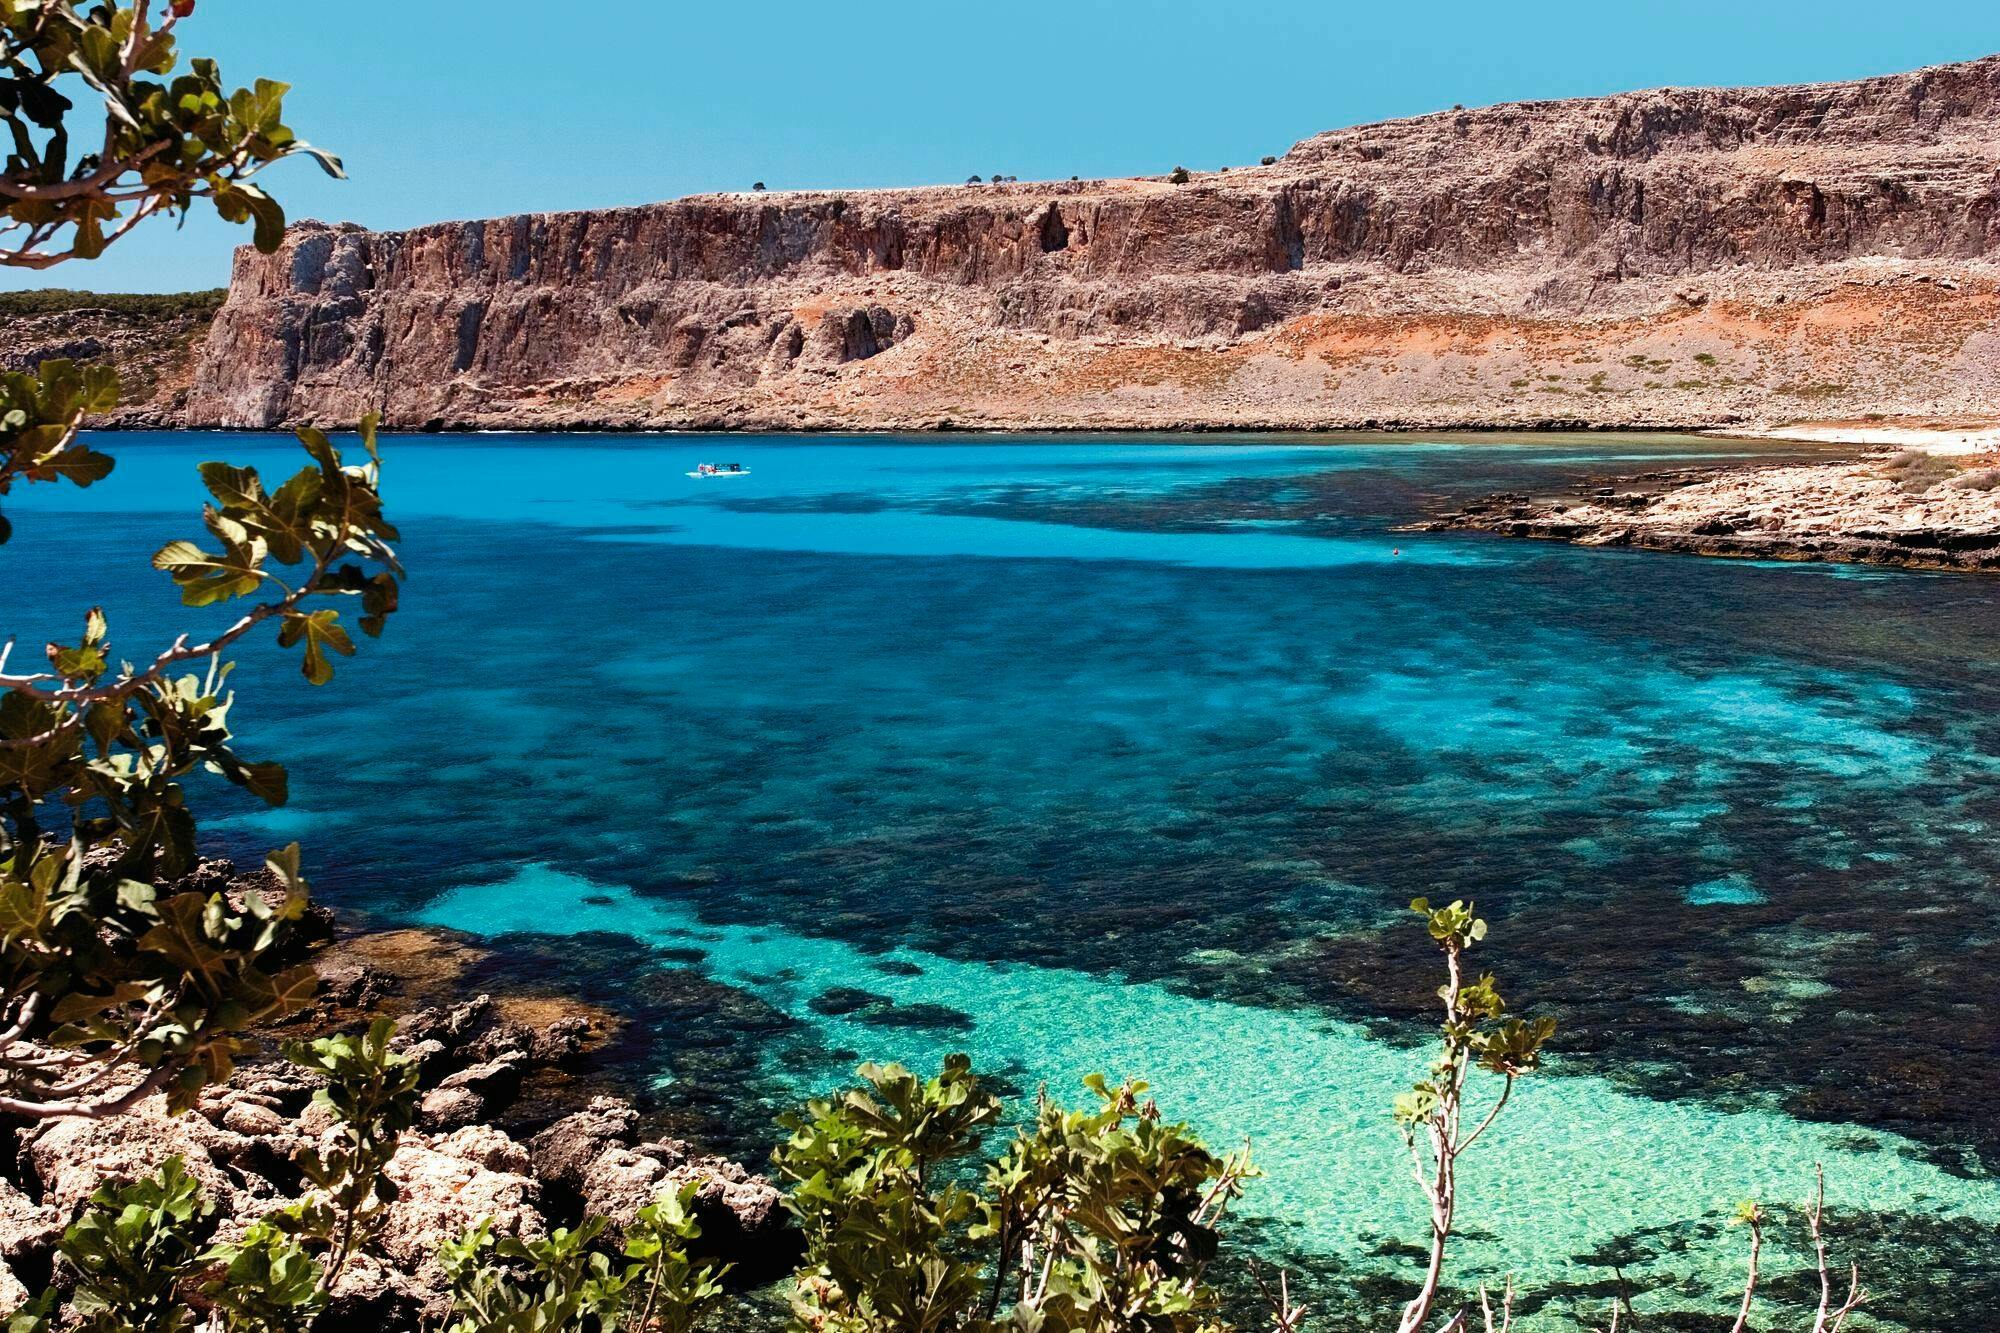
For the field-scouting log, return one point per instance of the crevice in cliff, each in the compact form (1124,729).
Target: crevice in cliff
(1055,232)
(470,319)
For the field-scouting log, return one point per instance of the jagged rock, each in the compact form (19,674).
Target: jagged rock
(351,984)
(447,1025)
(733,1205)
(564,1152)
(27,1229)
(65,1160)
(560,1041)
(489,1147)
(449,1108)
(375,1295)
(592,1154)
(441,1195)
(252,1118)
(1852,511)
(494,1079)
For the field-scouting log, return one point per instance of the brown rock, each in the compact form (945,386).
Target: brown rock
(733,1205)
(441,1195)
(252,1118)
(68,1159)
(564,1152)
(13,1292)
(444,1109)
(27,1229)
(1445,269)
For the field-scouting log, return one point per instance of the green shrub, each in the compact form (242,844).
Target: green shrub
(60,300)
(1978,479)
(564,1282)
(1102,1219)
(1918,470)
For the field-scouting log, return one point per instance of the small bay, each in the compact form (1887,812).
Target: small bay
(1080,752)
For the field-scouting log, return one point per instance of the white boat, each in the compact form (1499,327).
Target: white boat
(705,470)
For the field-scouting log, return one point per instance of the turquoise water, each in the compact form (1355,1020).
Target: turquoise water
(1107,754)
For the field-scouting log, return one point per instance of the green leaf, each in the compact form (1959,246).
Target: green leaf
(81,464)
(268,782)
(182,935)
(286,993)
(320,630)
(206,579)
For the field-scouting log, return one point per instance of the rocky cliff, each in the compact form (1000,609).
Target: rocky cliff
(1677,257)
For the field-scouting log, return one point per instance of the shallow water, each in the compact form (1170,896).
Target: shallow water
(1126,755)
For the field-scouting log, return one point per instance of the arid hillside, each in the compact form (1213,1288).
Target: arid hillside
(153,340)
(1679,257)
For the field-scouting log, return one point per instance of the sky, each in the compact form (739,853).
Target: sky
(458,109)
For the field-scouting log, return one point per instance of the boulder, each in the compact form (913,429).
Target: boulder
(442,1194)
(564,1152)
(733,1205)
(445,1109)
(66,1160)
(28,1235)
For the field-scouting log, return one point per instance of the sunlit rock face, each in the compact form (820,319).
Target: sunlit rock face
(1682,256)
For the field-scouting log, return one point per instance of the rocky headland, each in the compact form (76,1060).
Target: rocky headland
(1679,257)
(1913,508)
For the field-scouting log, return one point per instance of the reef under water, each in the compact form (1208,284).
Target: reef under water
(1127,755)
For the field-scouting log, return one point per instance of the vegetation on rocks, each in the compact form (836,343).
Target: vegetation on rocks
(1098,1220)
(152,305)
(115,989)
(110,991)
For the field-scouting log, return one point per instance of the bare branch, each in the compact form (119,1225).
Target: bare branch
(87,1109)
(1506,1091)
(1829,1318)
(1285,1317)
(1755,1218)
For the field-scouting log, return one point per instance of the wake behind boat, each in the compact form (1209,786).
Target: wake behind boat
(719,470)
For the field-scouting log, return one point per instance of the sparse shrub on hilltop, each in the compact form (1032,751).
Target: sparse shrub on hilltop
(1978,479)
(58,300)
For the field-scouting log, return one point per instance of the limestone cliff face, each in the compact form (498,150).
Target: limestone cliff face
(1684,257)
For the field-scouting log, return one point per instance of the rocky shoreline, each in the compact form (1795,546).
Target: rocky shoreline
(1909,509)
(568,1148)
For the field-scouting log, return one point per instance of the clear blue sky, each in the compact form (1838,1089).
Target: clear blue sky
(474,108)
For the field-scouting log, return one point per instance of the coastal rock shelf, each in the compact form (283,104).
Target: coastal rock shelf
(1853,512)
(1683,257)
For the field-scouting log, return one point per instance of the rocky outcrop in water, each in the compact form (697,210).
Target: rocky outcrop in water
(1682,256)
(1910,510)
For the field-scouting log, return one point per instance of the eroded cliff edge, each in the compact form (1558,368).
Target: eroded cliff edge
(1678,257)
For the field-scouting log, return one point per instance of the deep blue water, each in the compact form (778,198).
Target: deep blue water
(1107,753)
